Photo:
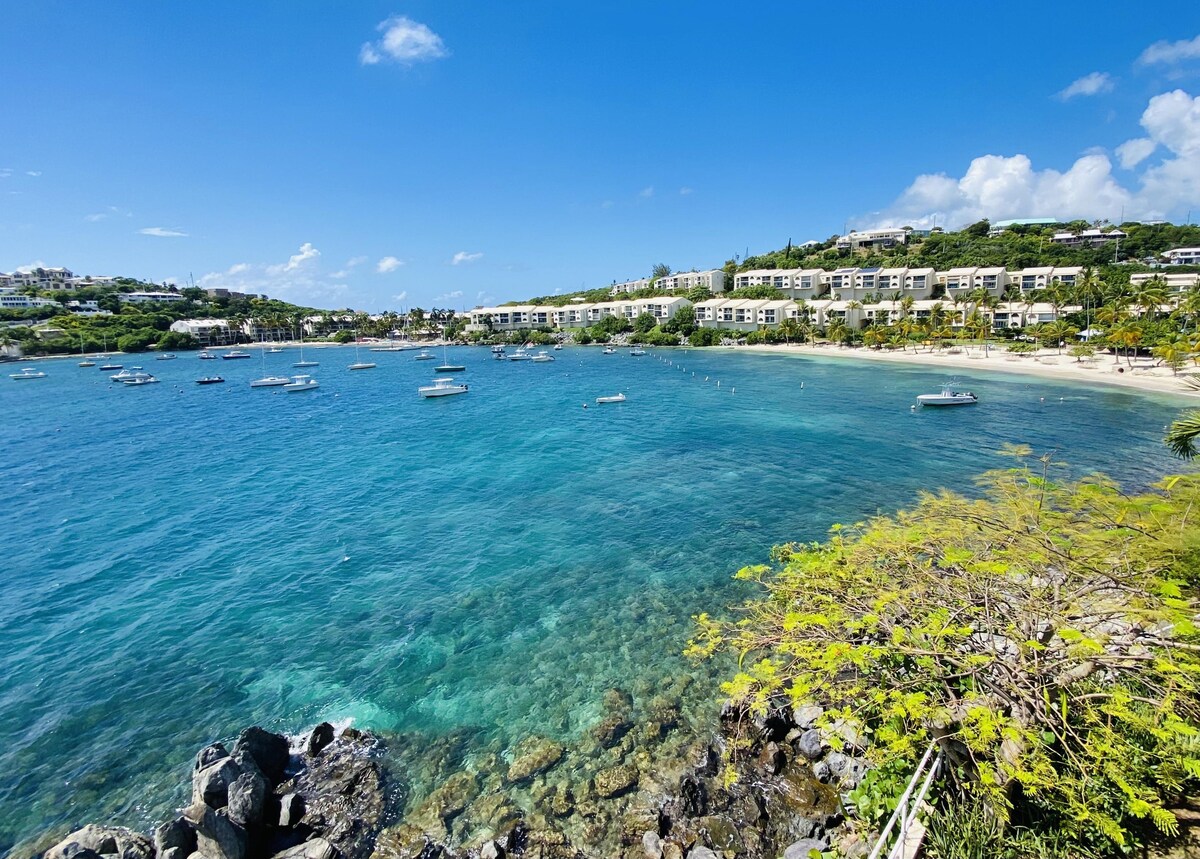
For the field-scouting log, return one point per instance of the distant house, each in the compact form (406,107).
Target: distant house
(1183,256)
(147,297)
(208,332)
(868,240)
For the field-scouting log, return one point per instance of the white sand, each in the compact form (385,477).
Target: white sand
(1102,370)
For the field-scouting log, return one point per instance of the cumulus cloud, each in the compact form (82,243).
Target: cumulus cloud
(458,293)
(161,232)
(647,192)
(997,186)
(388,264)
(34,173)
(353,261)
(465,257)
(297,260)
(1133,152)
(684,191)
(403,41)
(5,172)
(400,296)
(1093,84)
(111,211)
(25,269)
(299,279)
(1171,52)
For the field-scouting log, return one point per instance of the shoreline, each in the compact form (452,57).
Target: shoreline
(1044,364)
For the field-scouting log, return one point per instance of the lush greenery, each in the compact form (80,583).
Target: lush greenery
(1042,635)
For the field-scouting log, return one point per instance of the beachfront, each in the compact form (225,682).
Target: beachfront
(1046,363)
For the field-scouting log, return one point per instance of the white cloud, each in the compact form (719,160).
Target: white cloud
(685,190)
(5,172)
(647,192)
(1134,152)
(295,261)
(353,261)
(299,279)
(1093,84)
(108,213)
(458,293)
(388,264)
(996,186)
(462,257)
(34,173)
(25,269)
(161,232)
(1171,52)
(403,41)
(400,296)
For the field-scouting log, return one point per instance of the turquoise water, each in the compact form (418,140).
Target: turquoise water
(182,561)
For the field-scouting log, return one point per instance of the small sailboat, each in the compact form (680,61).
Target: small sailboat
(359,364)
(447,367)
(86,362)
(302,362)
(267,380)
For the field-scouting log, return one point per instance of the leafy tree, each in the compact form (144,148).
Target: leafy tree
(343,337)
(660,270)
(1039,636)
(176,340)
(683,322)
(705,337)
(644,323)
(1182,434)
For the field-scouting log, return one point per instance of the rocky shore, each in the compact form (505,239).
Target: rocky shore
(349,795)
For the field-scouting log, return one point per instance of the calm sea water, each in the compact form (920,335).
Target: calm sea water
(182,561)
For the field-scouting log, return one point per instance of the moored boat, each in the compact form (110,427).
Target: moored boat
(542,357)
(301,383)
(205,355)
(636,351)
(948,397)
(424,356)
(235,353)
(168,357)
(130,375)
(27,373)
(211,380)
(270,382)
(143,379)
(618,398)
(441,388)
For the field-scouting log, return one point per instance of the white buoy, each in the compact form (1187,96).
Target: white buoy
(802,386)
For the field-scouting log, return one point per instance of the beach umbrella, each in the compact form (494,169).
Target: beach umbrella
(1089,333)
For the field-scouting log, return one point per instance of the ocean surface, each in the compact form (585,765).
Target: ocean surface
(180,561)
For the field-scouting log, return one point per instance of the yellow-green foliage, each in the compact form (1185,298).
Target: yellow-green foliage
(1045,633)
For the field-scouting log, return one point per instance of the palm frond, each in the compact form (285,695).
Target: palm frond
(1182,435)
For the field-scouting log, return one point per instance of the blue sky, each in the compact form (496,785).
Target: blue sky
(386,155)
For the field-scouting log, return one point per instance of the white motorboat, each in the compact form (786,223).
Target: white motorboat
(558,347)
(168,357)
(235,353)
(498,353)
(542,357)
(637,350)
(441,388)
(520,355)
(619,398)
(205,355)
(608,350)
(948,397)
(87,363)
(274,350)
(28,373)
(130,375)
(270,382)
(111,366)
(424,356)
(144,379)
(301,383)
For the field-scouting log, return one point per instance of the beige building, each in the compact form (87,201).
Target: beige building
(684,281)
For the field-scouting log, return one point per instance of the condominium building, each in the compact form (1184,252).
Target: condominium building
(1173,283)
(684,281)
(744,314)
(1039,278)
(868,240)
(631,286)
(959,281)
(38,278)
(1093,238)
(146,297)
(208,332)
(577,315)
(10,299)
(1183,256)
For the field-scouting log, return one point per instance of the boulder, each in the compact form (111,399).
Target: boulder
(612,729)
(811,745)
(491,850)
(803,848)
(93,839)
(247,799)
(534,755)
(321,736)
(269,751)
(175,834)
(847,771)
(316,848)
(701,852)
(210,785)
(672,850)
(217,837)
(694,796)
(518,839)
(209,755)
(651,845)
(615,781)
(806,715)
(822,772)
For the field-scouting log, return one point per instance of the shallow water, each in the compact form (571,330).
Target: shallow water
(182,560)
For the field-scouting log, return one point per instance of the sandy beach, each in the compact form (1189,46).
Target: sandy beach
(1047,364)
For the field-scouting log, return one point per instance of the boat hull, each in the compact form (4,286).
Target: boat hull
(441,392)
(940,400)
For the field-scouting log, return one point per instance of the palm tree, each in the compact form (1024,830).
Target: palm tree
(1182,434)
(1128,334)
(1149,295)
(1174,352)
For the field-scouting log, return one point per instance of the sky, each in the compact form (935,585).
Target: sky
(386,155)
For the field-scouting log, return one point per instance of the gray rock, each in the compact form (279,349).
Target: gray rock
(93,839)
(321,736)
(847,771)
(211,784)
(850,736)
(821,772)
(291,809)
(317,848)
(269,751)
(247,799)
(175,834)
(652,845)
(615,781)
(806,716)
(217,837)
(209,755)
(811,745)
(802,848)
(173,853)
(700,852)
